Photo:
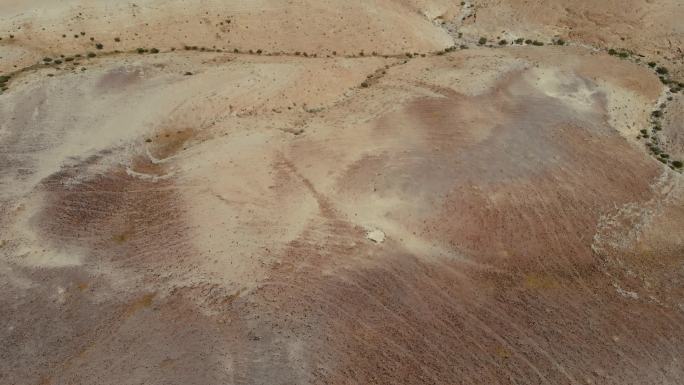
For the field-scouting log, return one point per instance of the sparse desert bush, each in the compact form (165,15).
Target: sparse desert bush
(623,54)
(528,41)
(677,164)
(537,43)
(99,46)
(612,52)
(560,42)
(664,155)
(662,70)
(657,114)
(154,50)
(652,64)
(644,131)
(4,79)
(519,40)
(141,50)
(91,54)
(503,42)
(365,85)
(482,41)
(47,59)
(117,39)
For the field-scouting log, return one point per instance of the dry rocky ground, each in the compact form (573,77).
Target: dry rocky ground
(341,192)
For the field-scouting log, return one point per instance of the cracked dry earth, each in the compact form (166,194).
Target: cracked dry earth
(483,216)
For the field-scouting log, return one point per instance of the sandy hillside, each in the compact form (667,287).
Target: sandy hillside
(341,192)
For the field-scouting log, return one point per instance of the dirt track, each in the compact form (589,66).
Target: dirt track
(203,217)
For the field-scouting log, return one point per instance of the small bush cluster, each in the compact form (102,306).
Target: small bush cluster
(3,83)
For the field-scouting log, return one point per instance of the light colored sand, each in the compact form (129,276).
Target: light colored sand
(192,217)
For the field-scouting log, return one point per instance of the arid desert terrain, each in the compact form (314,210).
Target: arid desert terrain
(205,192)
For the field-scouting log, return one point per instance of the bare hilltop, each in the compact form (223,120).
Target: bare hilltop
(341,192)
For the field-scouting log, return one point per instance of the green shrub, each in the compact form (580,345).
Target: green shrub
(482,41)
(657,114)
(623,54)
(677,164)
(4,79)
(141,50)
(560,42)
(91,54)
(154,50)
(662,70)
(652,64)
(528,41)
(47,59)
(99,46)
(519,40)
(503,42)
(664,156)
(537,43)
(612,52)
(644,131)
(117,39)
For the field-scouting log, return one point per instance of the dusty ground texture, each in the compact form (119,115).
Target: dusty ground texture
(325,192)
